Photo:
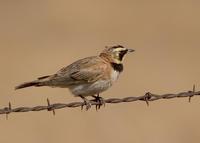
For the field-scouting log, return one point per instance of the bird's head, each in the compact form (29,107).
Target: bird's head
(115,54)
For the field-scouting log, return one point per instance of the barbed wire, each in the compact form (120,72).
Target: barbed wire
(147,98)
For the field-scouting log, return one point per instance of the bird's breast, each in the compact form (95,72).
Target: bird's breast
(114,76)
(89,89)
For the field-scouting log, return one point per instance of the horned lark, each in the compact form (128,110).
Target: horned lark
(87,77)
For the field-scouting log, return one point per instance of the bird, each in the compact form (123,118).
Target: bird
(89,76)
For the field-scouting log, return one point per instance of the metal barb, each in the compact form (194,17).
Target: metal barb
(147,97)
(9,108)
(193,91)
(49,107)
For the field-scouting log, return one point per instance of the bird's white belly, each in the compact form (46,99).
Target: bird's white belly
(91,89)
(97,87)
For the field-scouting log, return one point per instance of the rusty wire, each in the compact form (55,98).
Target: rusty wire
(147,97)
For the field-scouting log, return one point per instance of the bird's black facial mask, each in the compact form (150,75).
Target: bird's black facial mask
(122,54)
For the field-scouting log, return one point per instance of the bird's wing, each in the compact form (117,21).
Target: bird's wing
(85,70)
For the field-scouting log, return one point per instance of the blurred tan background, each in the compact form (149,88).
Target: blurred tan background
(39,37)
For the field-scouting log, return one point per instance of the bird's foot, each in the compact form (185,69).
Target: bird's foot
(100,101)
(87,104)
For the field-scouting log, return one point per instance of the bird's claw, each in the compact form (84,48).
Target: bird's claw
(87,104)
(100,101)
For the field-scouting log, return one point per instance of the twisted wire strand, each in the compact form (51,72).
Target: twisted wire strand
(147,97)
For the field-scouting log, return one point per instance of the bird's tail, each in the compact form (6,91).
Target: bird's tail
(40,82)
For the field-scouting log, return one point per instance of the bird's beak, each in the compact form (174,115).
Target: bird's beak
(130,50)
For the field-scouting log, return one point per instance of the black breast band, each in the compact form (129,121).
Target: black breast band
(117,67)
